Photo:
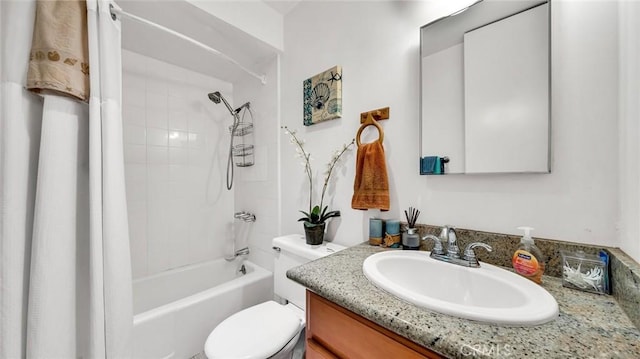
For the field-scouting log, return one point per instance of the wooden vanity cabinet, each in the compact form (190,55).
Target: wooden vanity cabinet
(335,332)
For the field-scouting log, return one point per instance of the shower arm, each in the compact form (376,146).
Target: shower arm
(217,97)
(233,113)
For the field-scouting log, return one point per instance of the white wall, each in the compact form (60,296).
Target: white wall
(629,191)
(176,143)
(377,44)
(251,16)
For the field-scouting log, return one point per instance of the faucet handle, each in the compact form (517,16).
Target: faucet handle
(470,255)
(444,233)
(437,247)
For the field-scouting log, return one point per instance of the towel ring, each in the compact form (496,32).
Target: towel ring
(370,121)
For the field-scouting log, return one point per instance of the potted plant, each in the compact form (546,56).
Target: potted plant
(315,218)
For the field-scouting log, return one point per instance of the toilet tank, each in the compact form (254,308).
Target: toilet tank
(294,251)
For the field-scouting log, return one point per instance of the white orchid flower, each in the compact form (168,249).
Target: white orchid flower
(306,163)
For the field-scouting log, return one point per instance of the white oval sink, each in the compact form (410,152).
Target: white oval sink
(487,294)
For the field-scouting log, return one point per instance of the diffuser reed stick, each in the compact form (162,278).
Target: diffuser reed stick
(412,216)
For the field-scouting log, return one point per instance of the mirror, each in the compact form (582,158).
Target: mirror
(485,90)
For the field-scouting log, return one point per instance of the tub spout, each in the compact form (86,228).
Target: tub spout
(240,252)
(245,216)
(243,251)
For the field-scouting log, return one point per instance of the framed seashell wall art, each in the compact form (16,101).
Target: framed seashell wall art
(322,95)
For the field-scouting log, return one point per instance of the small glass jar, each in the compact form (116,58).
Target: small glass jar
(587,272)
(411,239)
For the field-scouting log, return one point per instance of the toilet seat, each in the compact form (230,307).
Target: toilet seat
(257,332)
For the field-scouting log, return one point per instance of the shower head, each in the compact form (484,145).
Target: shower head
(217,96)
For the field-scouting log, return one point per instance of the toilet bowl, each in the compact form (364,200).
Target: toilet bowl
(258,332)
(270,330)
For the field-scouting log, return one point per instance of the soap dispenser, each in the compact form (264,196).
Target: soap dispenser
(528,260)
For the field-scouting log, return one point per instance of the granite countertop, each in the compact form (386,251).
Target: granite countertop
(589,325)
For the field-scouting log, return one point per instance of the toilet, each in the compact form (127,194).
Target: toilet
(270,330)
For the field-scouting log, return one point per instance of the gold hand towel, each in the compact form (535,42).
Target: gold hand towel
(371,185)
(59,59)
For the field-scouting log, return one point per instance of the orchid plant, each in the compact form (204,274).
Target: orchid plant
(319,213)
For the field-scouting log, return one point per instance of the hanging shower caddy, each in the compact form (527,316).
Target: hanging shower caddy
(243,139)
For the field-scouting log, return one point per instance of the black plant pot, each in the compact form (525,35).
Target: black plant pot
(314,233)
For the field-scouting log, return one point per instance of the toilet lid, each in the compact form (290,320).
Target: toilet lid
(256,332)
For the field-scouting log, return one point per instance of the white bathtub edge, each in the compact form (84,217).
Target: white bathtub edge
(256,274)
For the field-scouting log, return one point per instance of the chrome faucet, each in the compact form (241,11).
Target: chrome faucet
(452,254)
(245,216)
(448,234)
(240,252)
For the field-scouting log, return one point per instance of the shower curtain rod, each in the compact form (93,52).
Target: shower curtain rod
(115,11)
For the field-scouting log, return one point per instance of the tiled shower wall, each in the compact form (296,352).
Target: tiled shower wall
(176,143)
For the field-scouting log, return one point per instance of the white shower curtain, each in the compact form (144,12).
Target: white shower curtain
(65,279)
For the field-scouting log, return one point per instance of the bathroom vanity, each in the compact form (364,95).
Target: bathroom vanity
(334,329)
(347,316)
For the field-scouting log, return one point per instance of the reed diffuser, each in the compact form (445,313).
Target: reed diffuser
(410,238)
(412,216)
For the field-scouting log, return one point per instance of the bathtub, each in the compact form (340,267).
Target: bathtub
(175,311)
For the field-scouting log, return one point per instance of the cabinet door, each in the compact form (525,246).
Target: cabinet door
(348,335)
(317,351)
